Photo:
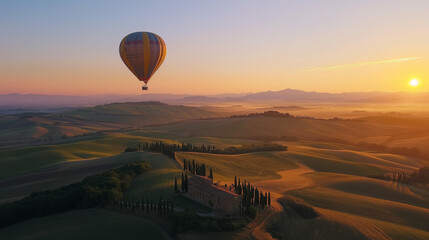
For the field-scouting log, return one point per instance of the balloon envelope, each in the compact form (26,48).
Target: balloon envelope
(143,53)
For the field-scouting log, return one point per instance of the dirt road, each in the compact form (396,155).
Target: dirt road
(290,180)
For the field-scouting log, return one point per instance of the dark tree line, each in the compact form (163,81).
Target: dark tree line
(277,114)
(184,185)
(100,189)
(420,176)
(251,196)
(196,168)
(163,207)
(193,168)
(170,149)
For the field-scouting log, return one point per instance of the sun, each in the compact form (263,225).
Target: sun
(414,82)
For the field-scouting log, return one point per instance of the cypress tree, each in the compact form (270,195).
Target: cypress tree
(266,199)
(183,183)
(269,199)
(193,166)
(204,170)
(211,174)
(256,196)
(186,182)
(175,184)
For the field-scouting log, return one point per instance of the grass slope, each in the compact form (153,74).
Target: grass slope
(158,182)
(27,159)
(65,173)
(267,127)
(376,208)
(138,113)
(44,127)
(335,159)
(250,166)
(393,135)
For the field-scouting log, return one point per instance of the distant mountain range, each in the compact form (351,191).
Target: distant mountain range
(10,103)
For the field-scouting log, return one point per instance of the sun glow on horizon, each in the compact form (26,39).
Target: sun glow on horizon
(414,82)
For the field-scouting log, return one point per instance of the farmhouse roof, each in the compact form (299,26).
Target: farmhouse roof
(208,184)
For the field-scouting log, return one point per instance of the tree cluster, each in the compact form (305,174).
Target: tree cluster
(277,114)
(420,176)
(184,185)
(163,207)
(251,196)
(274,114)
(194,167)
(249,148)
(100,189)
(299,206)
(170,149)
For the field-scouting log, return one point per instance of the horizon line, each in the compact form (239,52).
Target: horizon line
(190,94)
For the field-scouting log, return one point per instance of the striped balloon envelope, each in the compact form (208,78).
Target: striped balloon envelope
(143,53)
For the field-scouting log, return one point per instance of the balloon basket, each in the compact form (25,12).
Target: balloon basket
(145,87)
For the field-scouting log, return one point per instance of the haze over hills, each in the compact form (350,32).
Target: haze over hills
(13,102)
(326,165)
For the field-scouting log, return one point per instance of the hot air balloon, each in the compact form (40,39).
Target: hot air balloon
(143,53)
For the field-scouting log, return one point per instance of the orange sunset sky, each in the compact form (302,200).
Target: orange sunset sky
(71,47)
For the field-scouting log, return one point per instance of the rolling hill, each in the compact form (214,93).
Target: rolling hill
(30,127)
(393,134)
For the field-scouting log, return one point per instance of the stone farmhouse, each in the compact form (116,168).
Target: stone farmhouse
(220,198)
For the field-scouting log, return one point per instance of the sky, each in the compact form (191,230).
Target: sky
(71,47)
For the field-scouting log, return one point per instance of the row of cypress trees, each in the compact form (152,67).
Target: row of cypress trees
(195,168)
(170,149)
(251,196)
(164,207)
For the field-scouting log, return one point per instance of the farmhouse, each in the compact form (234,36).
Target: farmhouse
(219,198)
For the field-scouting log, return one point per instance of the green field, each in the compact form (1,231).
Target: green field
(49,128)
(65,173)
(250,166)
(138,113)
(27,159)
(83,224)
(268,128)
(265,165)
(158,182)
